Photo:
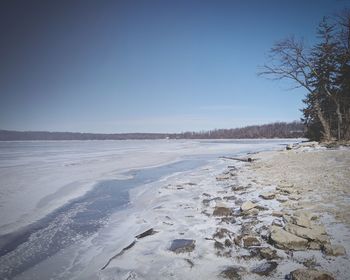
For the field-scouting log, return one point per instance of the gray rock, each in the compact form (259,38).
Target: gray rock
(310,274)
(228,220)
(294,197)
(285,240)
(334,250)
(206,202)
(182,245)
(247,206)
(285,189)
(303,219)
(250,241)
(268,195)
(228,242)
(281,198)
(148,232)
(265,269)
(277,222)
(231,197)
(218,245)
(221,233)
(262,208)
(310,262)
(313,245)
(289,147)
(237,188)
(251,212)
(222,211)
(313,234)
(232,273)
(223,177)
(277,214)
(268,253)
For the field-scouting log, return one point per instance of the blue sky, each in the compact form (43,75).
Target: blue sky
(147,66)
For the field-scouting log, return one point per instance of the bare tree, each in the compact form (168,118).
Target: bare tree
(290,60)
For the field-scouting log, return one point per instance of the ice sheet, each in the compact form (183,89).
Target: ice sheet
(38,177)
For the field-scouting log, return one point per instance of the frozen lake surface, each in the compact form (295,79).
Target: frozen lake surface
(57,196)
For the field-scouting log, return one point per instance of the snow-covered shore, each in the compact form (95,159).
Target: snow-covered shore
(284,212)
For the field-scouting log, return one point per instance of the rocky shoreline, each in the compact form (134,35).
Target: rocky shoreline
(250,221)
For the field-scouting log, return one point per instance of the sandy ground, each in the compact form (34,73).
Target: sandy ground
(322,176)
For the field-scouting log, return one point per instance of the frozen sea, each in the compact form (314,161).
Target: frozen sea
(63,203)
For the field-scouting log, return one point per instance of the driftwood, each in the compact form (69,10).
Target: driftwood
(240,159)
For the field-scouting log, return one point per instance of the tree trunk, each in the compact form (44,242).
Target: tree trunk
(340,119)
(347,125)
(325,125)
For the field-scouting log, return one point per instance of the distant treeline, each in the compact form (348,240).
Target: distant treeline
(273,130)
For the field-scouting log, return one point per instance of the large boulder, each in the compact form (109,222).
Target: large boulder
(301,220)
(313,234)
(310,274)
(284,240)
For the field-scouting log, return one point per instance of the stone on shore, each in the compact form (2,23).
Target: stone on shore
(251,212)
(182,245)
(222,233)
(223,177)
(302,220)
(281,199)
(314,234)
(277,214)
(334,250)
(148,232)
(268,253)
(313,245)
(268,195)
(232,273)
(277,222)
(221,210)
(247,206)
(285,240)
(310,274)
(250,241)
(265,269)
(285,189)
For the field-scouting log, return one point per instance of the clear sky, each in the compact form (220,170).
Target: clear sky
(147,66)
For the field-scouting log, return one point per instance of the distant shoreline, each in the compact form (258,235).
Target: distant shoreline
(268,131)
